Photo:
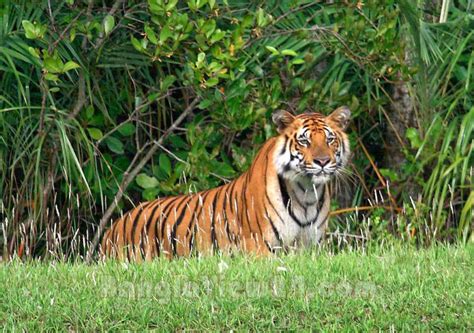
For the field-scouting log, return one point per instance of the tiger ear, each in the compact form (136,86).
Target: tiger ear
(341,116)
(282,119)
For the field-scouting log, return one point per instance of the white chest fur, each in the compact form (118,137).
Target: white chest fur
(302,211)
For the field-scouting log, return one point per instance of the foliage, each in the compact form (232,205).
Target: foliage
(88,88)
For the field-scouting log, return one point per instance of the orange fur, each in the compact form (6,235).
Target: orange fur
(247,214)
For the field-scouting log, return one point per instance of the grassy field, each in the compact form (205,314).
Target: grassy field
(401,289)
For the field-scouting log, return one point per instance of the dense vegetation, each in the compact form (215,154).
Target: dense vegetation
(107,103)
(391,289)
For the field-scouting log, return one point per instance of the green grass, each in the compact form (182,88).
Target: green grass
(397,288)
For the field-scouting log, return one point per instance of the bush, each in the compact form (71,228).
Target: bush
(89,88)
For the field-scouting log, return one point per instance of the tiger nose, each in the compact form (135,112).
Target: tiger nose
(322,161)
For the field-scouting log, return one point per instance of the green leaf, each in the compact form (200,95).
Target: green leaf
(273,50)
(150,194)
(201,57)
(200,3)
(89,112)
(114,145)
(165,163)
(109,24)
(33,31)
(126,129)
(205,103)
(261,18)
(167,82)
(146,182)
(165,34)
(217,35)
(289,52)
(223,169)
(51,77)
(153,97)
(53,64)
(95,133)
(136,44)
(298,61)
(171,4)
(72,34)
(414,137)
(209,28)
(70,65)
(212,82)
(389,174)
(150,34)
(159,173)
(34,52)
(192,5)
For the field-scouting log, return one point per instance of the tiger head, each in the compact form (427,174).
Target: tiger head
(313,147)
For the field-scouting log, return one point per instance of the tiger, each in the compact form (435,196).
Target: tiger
(281,201)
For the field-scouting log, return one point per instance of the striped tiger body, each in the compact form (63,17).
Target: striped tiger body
(282,200)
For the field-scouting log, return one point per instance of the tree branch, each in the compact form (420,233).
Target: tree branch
(111,12)
(128,178)
(81,96)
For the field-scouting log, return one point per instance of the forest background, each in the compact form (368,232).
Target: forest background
(104,104)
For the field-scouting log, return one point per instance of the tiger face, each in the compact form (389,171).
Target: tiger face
(314,147)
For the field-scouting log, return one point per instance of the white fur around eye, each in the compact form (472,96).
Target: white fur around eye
(303,138)
(330,136)
(303,142)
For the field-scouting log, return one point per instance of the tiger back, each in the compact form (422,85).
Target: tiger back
(283,199)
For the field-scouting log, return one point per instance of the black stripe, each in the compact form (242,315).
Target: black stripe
(320,207)
(195,221)
(191,241)
(247,180)
(141,208)
(157,239)
(134,225)
(286,199)
(114,232)
(214,241)
(191,221)
(177,223)
(341,144)
(106,240)
(164,216)
(299,202)
(304,190)
(124,233)
(250,206)
(266,190)
(178,213)
(275,231)
(231,195)
(283,149)
(243,207)
(124,228)
(226,220)
(271,249)
(195,210)
(258,225)
(150,222)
